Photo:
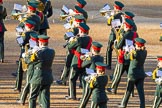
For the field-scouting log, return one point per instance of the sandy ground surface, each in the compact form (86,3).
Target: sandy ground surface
(148,16)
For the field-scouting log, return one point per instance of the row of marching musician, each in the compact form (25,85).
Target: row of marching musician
(36,58)
(89,66)
(83,59)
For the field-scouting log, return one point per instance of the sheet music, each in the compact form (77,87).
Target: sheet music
(65,9)
(128,42)
(17,7)
(69,34)
(32,43)
(67,26)
(90,71)
(148,73)
(159,73)
(106,7)
(19,29)
(20,40)
(115,23)
(84,51)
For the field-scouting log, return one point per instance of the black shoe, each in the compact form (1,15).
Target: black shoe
(110,90)
(59,82)
(70,98)
(20,102)
(14,74)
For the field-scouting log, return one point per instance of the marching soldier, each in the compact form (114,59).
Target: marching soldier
(117,15)
(122,65)
(89,62)
(42,76)
(83,41)
(30,69)
(78,10)
(98,84)
(77,20)
(3,14)
(136,73)
(130,15)
(29,27)
(158,95)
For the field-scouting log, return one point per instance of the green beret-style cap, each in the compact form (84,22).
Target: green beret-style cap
(129,14)
(140,40)
(82,3)
(43,38)
(34,35)
(129,22)
(30,22)
(119,4)
(97,44)
(84,27)
(33,4)
(100,65)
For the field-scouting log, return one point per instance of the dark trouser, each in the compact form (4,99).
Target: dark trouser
(1,45)
(74,74)
(109,53)
(157,102)
(98,105)
(86,95)
(19,77)
(139,83)
(43,32)
(43,91)
(67,66)
(118,72)
(26,88)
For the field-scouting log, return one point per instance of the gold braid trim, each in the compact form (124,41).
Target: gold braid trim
(110,20)
(132,53)
(33,57)
(93,80)
(154,74)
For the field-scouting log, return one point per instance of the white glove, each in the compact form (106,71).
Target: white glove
(23,55)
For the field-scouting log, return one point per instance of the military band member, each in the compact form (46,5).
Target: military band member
(78,10)
(117,15)
(32,14)
(70,52)
(30,69)
(42,77)
(29,28)
(136,73)
(158,96)
(122,64)
(3,14)
(89,62)
(83,41)
(98,84)
(130,15)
